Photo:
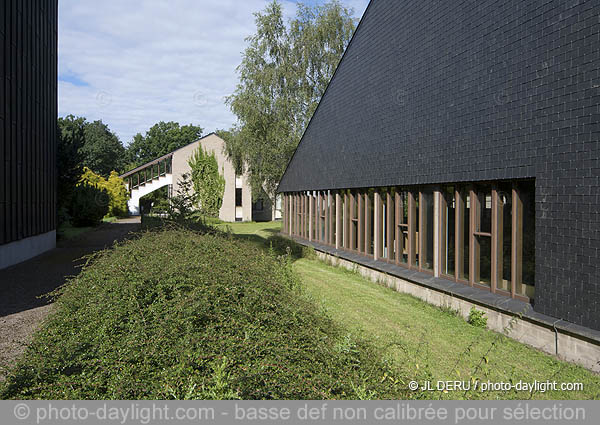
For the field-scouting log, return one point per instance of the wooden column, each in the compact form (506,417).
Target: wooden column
(496,253)
(412,223)
(368,223)
(390,226)
(377,240)
(352,218)
(437,233)
(311,216)
(332,219)
(473,243)
(327,218)
(290,214)
(361,223)
(338,220)
(345,218)
(399,239)
(516,274)
(459,234)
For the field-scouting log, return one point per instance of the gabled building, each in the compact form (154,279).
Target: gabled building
(457,147)
(169,169)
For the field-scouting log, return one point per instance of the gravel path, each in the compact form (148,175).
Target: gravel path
(21,286)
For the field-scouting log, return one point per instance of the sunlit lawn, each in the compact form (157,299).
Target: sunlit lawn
(424,339)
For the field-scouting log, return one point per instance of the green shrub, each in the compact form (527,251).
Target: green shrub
(89,205)
(177,314)
(477,318)
(209,184)
(115,188)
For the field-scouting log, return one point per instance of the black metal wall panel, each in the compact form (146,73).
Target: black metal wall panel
(433,92)
(28,112)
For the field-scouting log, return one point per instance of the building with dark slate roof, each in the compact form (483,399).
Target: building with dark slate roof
(458,147)
(28,111)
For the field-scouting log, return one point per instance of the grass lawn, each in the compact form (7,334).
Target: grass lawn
(427,342)
(66,231)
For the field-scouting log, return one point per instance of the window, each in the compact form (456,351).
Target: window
(481,238)
(426,230)
(238,197)
(402,227)
(448,231)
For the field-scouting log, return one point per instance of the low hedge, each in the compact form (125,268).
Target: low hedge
(178,314)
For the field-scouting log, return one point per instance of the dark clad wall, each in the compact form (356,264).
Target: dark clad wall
(452,91)
(28,111)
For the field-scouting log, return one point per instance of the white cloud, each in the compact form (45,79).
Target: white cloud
(147,61)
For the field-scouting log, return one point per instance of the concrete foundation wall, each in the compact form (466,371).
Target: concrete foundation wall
(565,346)
(24,249)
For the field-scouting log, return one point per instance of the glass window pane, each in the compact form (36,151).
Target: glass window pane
(485,260)
(505,235)
(426,230)
(484,213)
(450,228)
(527,193)
(465,222)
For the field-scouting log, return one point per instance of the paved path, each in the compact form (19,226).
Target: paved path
(21,308)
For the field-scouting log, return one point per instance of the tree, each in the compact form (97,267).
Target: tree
(71,138)
(181,206)
(114,187)
(103,151)
(283,74)
(209,184)
(160,139)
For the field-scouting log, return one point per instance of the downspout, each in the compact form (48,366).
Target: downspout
(555,337)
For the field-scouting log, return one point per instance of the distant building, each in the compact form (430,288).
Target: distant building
(458,145)
(169,169)
(28,113)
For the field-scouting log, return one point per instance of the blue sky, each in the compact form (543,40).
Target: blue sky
(132,64)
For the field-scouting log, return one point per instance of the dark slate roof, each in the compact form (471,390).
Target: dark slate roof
(433,91)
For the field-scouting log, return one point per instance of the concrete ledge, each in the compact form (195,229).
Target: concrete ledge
(19,251)
(554,336)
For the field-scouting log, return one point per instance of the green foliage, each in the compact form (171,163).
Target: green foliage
(71,138)
(102,151)
(283,74)
(182,204)
(89,204)
(159,140)
(477,318)
(201,316)
(209,184)
(115,188)
(117,191)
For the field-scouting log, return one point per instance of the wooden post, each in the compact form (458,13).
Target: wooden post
(331,219)
(361,224)
(368,224)
(378,229)
(338,220)
(345,235)
(473,243)
(437,233)
(310,216)
(327,218)
(494,241)
(411,230)
(389,210)
(516,243)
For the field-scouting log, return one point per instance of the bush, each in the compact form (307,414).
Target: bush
(89,205)
(115,188)
(477,318)
(177,314)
